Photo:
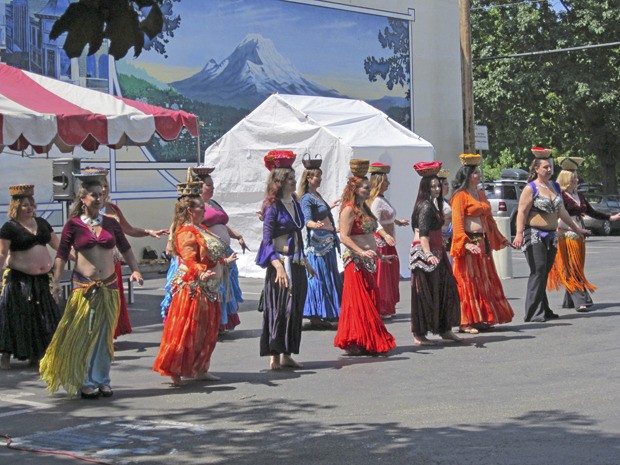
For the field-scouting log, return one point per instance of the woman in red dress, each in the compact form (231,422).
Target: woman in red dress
(193,320)
(360,329)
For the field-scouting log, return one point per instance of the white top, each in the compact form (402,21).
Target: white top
(383,211)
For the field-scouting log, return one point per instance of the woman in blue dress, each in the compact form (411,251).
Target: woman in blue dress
(322,305)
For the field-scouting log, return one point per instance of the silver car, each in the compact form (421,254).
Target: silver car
(503,194)
(605,203)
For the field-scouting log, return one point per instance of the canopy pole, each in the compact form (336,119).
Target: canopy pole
(198,142)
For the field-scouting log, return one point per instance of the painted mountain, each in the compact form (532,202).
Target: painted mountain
(253,72)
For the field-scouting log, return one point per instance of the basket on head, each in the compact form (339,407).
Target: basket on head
(470,159)
(359,167)
(379,168)
(427,168)
(312,163)
(541,152)
(201,172)
(189,189)
(21,190)
(570,163)
(443,173)
(279,159)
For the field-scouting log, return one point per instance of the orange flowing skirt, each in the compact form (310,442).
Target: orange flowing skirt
(480,290)
(568,267)
(190,334)
(360,323)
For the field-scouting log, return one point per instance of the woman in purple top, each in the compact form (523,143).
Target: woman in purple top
(81,351)
(281,253)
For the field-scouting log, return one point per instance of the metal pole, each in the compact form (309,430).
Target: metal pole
(198,142)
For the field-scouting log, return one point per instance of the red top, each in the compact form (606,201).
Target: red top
(75,233)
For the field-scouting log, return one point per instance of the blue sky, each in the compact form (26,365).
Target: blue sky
(318,41)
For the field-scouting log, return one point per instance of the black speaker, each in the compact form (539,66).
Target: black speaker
(63,181)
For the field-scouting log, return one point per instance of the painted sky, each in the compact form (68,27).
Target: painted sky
(325,44)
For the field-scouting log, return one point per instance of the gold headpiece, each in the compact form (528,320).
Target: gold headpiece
(379,168)
(443,173)
(570,163)
(541,152)
(22,190)
(359,167)
(470,159)
(192,187)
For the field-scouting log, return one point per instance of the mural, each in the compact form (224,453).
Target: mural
(227,56)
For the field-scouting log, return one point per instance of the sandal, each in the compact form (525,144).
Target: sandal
(468,330)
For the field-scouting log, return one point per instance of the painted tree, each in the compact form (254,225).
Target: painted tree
(141,24)
(394,70)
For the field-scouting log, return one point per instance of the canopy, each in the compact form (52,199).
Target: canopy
(336,129)
(42,112)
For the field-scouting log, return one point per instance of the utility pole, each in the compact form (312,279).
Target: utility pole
(467,80)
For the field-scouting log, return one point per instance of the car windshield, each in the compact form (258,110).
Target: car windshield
(593,198)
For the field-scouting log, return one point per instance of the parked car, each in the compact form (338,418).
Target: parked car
(590,187)
(605,203)
(503,194)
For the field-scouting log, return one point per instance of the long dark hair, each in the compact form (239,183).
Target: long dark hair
(277,178)
(424,195)
(461,178)
(85,189)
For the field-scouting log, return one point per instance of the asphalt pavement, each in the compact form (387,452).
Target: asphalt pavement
(523,393)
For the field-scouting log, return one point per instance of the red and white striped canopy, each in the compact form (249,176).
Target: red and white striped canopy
(42,112)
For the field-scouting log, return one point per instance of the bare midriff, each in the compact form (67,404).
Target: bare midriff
(34,261)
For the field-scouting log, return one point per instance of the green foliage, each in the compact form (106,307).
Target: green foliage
(567,101)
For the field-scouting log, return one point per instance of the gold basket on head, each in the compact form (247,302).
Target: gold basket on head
(22,190)
(470,159)
(443,173)
(541,152)
(190,188)
(359,167)
(570,163)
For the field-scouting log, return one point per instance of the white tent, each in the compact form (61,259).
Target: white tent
(338,130)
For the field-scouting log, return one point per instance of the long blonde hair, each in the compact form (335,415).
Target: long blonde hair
(17,202)
(303,182)
(564,179)
(376,181)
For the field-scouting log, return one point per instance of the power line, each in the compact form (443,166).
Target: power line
(546,52)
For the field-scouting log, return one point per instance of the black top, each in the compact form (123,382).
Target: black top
(426,217)
(22,239)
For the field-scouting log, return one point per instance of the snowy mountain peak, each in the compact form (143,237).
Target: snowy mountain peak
(252,72)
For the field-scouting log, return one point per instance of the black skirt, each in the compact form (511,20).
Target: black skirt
(28,315)
(283,310)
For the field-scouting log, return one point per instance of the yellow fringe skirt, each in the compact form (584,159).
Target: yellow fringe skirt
(93,307)
(568,267)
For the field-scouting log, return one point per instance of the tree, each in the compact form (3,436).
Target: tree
(125,23)
(563,100)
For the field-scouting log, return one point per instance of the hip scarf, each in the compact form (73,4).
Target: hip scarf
(320,242)
(91,312)
(348,256)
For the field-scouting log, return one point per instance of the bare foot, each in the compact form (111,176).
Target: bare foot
(287,361)
(5,363)
(468,329)
(422,341)
(274,362)
(206,376)
(450,336)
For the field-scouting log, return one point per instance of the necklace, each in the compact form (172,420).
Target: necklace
(291,209)
(92,223)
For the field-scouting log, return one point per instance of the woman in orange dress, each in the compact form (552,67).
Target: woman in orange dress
(475,235)
(360,329)
(193,320)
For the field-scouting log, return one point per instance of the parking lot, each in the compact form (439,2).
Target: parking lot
(537,393)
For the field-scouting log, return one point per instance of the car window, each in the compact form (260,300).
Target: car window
(613,202)
(493,191)
(593,198)
(510,192)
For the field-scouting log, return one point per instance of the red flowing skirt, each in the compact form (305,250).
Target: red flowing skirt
(190,334)
(480,290)
(360,323)
(123,326)
(388,276)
